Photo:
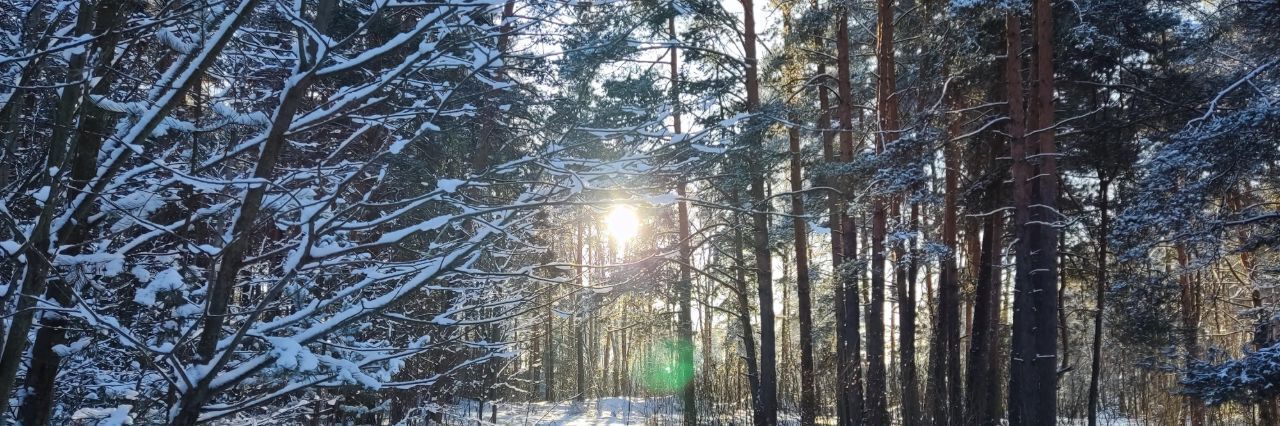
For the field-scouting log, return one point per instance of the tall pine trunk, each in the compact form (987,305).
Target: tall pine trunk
(1190,301)
(906,285)
(1033,367)
(887,110)
(1095,365)
(760,226)
(549,360)
(849,352)
(804,304)
(744,317)
(983,385)
(579,320)
(684,292)
(947,408)
(808,394)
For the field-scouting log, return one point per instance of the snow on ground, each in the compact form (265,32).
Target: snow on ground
(611,411)
(605,411)
(1105,420)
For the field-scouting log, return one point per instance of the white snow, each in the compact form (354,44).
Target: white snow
(105,416)
(605,411)
(292,356)
(106,264)
(398,146)
(41,195)
(73,348)
(664,199)
(167,280)
(449,185)
(10,247)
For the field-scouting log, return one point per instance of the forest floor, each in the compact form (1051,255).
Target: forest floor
(616,411)
(605,411)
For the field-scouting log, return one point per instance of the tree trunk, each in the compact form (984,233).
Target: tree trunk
(906,285)
(760,227)
(1021,172)
(36,276)
(744,320)
(549,362)
(808,394)
(983,372)
(834,225)
(684,292)
(1033,370)
(1190,300)
(45,363)
(579,321)
(1095,366)
(887,109)
(490,112)
(849,351)
(945,372)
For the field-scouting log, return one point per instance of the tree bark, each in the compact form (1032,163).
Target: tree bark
(1095,366)
(579,321)
(946,383)
(1021,172)
(1033,370)
(887,109)
(45,361)
(744,320)
(684,292)
(549,362)
(906,286)
(39,249)
(849,351)
(1190,301)
(808,394)
(760,226)
(490,112)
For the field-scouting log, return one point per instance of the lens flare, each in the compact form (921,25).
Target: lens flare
(622,223)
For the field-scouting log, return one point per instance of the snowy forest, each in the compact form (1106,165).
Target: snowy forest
(652,212)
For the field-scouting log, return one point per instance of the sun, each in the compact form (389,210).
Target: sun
(622,223)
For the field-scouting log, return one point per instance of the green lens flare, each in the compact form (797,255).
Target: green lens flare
(662,370)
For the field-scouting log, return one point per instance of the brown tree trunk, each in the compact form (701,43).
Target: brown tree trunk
(1021,172)
(834,224)
(1190,300)
(235,252)
(981,405)
(768,393)
(906,286)
(579,320)
(489,114)
(849,351)
(946,383)
(1033,370)
(808,394)
(684,292)
(887,109)
(1100,294)
(744,320)
(807,390)
(549,361)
